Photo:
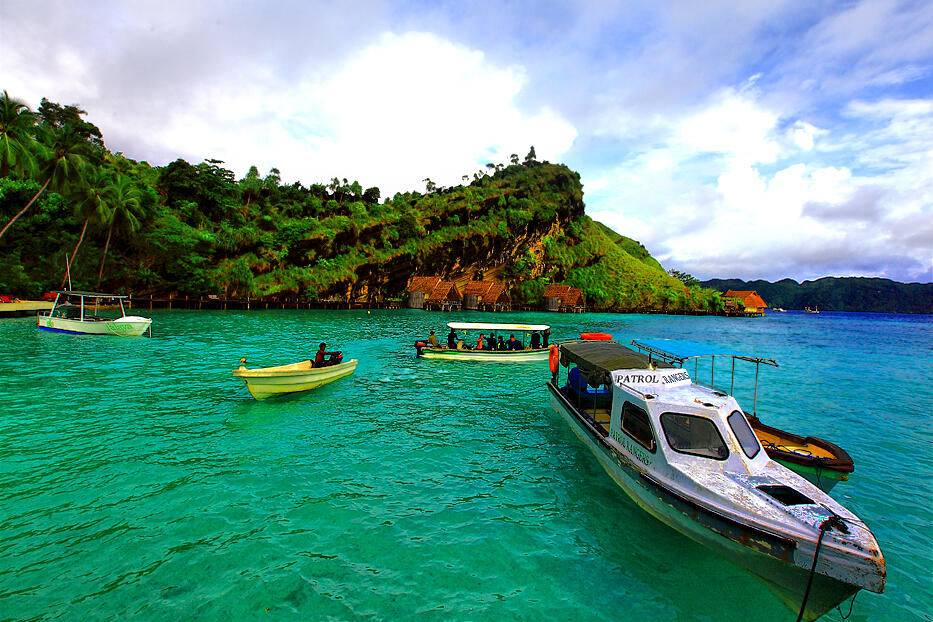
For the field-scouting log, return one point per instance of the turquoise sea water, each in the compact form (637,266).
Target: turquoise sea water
(139,479)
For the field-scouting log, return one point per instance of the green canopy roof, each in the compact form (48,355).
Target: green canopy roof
(597,359)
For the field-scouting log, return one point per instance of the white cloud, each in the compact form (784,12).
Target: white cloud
(728,192)
(403,108)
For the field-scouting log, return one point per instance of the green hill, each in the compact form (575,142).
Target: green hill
(195,230)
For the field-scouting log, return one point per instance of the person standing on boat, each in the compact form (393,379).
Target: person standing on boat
(433,340)
(491,342)
(452,339)
(547,335)
(535,340)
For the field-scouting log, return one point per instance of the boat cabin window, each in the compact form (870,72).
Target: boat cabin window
(697,436)
(744,433)
(635,423)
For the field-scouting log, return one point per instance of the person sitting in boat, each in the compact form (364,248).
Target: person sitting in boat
(462,346)
(535,340)
(491,341)
(513,343)
(433,340)
(320,359)
(479,342)
(500,345)
(452,339)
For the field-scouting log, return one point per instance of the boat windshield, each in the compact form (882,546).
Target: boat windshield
(744,433)
(693,435)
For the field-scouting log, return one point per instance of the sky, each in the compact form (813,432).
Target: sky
(768,139)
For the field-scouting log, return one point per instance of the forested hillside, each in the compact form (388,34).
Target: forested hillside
(194,229)
(839,294)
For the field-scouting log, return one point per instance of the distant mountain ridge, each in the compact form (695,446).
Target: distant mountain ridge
(871,295)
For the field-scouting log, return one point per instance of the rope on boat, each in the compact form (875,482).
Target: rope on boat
(851,604)
(833,521)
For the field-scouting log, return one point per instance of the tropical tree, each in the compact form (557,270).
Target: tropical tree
(95,203)
(531,155)
(66,160)
(17,130)
(251,185)
(124,215)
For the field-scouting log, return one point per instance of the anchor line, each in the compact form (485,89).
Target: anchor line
(851,604)
(833,521)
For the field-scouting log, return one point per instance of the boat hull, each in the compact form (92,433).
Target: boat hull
(121,327)
(768,556)
(494,356)
(271,381)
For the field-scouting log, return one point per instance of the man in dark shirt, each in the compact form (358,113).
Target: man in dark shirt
(535,340)
(547,335)
(491,342)
(452,339)
(319,357)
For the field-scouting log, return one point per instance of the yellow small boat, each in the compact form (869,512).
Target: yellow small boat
(266,382)
(816,459)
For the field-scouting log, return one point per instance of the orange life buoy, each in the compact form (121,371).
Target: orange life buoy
(596,336)
(553,359)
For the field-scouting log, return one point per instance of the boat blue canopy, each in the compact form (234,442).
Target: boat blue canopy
(675,351)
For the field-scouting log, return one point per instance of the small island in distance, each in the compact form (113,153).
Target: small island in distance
(859,294)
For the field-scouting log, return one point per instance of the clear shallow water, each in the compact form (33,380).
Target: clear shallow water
(138,478)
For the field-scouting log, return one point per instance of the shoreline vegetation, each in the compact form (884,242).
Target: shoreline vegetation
(70,205)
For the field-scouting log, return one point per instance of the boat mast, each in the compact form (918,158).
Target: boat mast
(755,402)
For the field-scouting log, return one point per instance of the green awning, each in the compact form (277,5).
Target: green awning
(597,359)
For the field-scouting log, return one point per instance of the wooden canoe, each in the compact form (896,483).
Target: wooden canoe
(816,459)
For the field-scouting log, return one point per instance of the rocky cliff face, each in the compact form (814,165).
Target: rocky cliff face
(458,233)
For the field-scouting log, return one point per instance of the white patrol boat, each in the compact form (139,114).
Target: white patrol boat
(686,454)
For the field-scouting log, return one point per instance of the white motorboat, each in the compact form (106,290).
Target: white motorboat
(266,382)
(686,454)
(818,460)
(462,350)
(82,318)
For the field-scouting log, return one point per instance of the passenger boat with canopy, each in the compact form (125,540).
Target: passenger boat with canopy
(65,317)
(820,461)
(463,350)
(686,454)
(264,382)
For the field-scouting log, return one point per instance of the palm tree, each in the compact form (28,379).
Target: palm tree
(125,214)
(97,198)
(66,159)
(17,128)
